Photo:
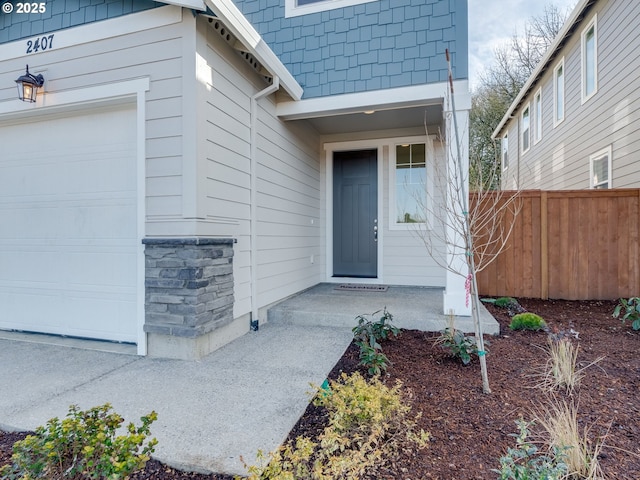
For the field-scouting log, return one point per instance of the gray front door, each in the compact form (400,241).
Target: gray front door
(355,210)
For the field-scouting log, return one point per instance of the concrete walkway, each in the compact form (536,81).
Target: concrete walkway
(418,308)
(244,397)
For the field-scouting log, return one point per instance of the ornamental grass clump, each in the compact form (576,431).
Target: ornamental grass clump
(561,370)
(85,445)
(368,424)
(561,433)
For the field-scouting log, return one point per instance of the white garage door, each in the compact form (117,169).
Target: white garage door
(68,239)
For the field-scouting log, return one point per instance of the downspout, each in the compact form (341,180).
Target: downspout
(253,242)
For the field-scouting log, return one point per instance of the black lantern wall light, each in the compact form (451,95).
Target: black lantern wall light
(28,85)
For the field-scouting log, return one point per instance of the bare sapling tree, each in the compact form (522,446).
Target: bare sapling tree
(466,226)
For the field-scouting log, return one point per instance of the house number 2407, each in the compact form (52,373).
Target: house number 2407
(40,44)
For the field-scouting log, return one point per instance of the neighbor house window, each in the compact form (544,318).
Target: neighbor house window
(558,93)
(525,121)
(293,8)
(600,168)
(410,183)
(589,60)
(537,116)
(504,146)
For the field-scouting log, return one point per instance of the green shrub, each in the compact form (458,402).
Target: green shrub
(82,446)
(368,334)
(524,462)
(368,331)
(527,321)
(506,302)
(457,344)
(631,309)
(373,359)
(368,424)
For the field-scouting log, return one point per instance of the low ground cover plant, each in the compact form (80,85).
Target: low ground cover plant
(630,310)
(527,321)
(368,423)
(368,334)
(84,445)
(526,462)
(510,304)
(456,343)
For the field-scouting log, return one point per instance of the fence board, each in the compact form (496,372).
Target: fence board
(569,244)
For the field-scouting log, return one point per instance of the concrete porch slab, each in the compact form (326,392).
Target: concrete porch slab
(418,308)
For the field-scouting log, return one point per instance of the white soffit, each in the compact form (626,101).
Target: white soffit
(195,4)
(376,100)
(240,27)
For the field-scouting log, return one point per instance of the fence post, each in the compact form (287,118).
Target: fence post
(544,247)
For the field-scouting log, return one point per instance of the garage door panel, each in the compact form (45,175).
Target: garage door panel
(69,244)
(82,309)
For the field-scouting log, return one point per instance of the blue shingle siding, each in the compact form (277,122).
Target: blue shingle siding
(380,44)
(65,14)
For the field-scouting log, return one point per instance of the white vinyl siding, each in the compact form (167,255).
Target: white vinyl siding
(600,168)
(537,116)
(589,47)
(405,258)
(558,93)
(525,125)
(290,251)
(608,118)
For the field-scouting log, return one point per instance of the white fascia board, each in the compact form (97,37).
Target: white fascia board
(194,4)
(244,31)
(388,99)
(565,31)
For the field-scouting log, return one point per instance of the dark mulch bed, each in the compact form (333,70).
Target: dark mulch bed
(471,430)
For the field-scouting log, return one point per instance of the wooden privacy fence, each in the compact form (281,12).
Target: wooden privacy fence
(568,244)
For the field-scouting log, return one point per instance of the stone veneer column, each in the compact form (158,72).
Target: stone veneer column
(188,295)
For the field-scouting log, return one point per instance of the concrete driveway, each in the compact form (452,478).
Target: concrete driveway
(244,397)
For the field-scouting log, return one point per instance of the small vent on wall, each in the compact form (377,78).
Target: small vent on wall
(237,45)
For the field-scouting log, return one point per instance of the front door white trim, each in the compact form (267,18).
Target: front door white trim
(82,98)
(347,146)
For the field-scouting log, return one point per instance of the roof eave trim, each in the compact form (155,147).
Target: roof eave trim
(389,99)
(244,31)
(566,28)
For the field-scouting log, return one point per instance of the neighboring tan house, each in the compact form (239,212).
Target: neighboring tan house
(575,123)
(186,166)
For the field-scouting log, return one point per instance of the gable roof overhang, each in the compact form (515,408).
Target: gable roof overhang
(249,38)
(567,30)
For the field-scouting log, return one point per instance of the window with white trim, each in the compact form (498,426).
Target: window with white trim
(525,125)
(504,148)
(600,168)
(294,8)
(409,183)
(589,42)
(537,116)
(558,93)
